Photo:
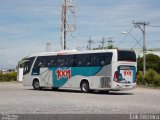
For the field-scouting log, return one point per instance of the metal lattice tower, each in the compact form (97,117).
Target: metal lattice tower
(68,22)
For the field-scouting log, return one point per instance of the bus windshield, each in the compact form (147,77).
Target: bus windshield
(124,55)
(27,65)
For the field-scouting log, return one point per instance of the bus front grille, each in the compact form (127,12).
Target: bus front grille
(105,82)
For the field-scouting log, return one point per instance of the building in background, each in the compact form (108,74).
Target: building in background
(5,71)
(139,52)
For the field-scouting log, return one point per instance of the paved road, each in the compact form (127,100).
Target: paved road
(16,99)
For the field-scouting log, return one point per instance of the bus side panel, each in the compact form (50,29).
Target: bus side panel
(43,75)
(105,72)
(72,76)
(114,68)
(77,74)
(74,82)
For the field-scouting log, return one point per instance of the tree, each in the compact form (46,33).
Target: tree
(152,62)
(110,47)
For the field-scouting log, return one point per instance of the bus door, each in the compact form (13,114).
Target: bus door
(27,64)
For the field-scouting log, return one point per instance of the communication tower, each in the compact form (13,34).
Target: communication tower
(68,22)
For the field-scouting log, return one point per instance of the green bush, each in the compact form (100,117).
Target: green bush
(152,62)
(150,76)
(140,78)
(8,77)
(156,81)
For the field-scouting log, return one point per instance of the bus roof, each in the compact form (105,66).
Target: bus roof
(68,52)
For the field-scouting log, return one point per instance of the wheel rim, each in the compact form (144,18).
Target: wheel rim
(36,84)
(84,87)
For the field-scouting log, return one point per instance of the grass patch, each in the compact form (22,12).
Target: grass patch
(8,77)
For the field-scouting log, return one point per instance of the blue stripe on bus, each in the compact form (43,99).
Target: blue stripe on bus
(83,71)
(134,74)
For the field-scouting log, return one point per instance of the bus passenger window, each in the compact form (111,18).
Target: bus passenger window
(94,60)
(61,62)
(102,63)
(70,61)
(53,63)
(88,63)
(40,64)
(79,63)
(49,64)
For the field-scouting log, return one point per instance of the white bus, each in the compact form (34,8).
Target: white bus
(107,70)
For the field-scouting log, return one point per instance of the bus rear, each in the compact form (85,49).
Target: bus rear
(124,70)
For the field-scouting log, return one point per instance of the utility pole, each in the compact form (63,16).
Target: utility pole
(110,41)
(68,22)
(142,26)
(90,41)
(103,42)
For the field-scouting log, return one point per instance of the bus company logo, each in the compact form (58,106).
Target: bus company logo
(63,73)
(129,73)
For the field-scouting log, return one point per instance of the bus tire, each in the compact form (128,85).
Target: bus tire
(85,87)
(36,84)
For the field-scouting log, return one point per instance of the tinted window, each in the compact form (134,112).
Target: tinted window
(70,60)
(83,60)
(31,61)
(78,60)
(50,61)
(40,62)
(28,65)
(105,59)
(61,61)
(94,59)
(126,55)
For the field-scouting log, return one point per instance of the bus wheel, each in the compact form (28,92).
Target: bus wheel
(36,85)
(85,86)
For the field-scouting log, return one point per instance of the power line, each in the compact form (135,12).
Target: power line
(142,26)
(154,19)
(125,36)
(153,26)
(138,42)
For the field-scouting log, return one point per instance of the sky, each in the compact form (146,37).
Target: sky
(27,25)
